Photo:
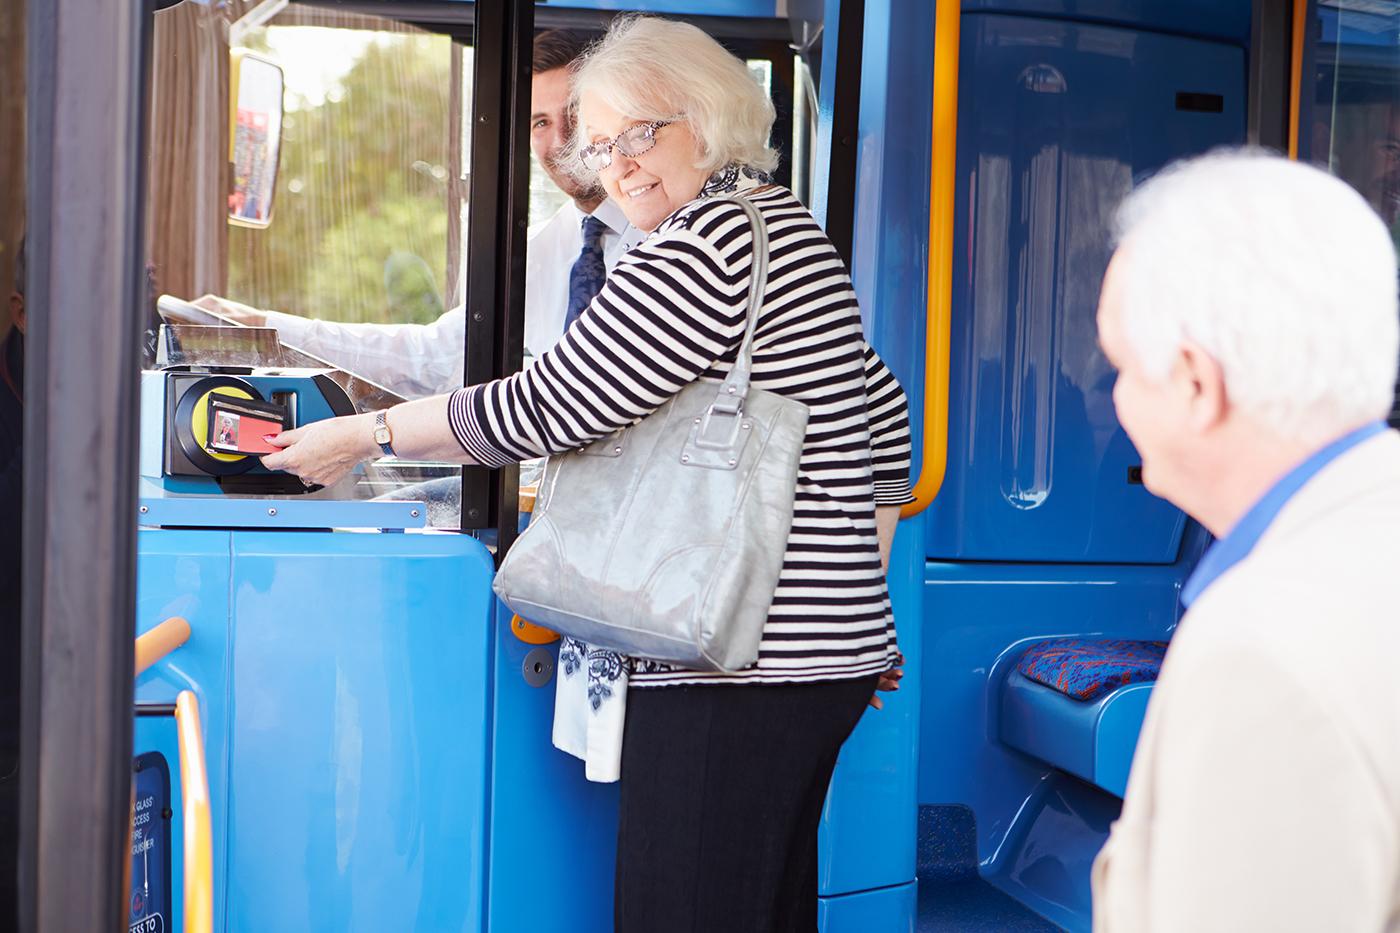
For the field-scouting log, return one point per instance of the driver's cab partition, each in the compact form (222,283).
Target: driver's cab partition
(376,728)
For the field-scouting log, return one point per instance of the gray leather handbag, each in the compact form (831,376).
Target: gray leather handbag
(665,539)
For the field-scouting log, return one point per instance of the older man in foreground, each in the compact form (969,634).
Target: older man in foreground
(1251,313)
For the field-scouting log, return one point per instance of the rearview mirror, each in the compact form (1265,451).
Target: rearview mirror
(255,134)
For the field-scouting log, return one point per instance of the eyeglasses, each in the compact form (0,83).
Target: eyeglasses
(631,142)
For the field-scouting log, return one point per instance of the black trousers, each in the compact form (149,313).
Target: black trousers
(722,790)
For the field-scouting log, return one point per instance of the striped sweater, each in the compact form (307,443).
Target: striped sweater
(672,311)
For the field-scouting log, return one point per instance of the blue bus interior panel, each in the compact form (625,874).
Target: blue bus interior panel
(865,841)
(1093,740)
(1207,19)
(360,696)
(1046,861)
(1057,121)
(553,834)
(973,749)
(888,910)
(344,686)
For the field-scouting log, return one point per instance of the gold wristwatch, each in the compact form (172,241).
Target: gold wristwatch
(382,435)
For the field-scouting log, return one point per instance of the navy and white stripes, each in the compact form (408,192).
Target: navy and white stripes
(672,311)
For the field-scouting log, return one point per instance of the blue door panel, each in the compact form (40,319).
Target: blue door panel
(865,839)
(359,703)
(1214,19)
(553,833)
(888,910)
(1057,121)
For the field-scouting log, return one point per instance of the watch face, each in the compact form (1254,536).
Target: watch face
(381,435)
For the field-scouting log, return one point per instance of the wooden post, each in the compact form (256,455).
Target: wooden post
(85,283)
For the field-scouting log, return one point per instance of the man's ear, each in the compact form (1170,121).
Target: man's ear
(17,310)
(1204,380)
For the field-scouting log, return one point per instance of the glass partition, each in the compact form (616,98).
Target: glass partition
(1350,122)
(1354,125)
(351,277)
(361,231)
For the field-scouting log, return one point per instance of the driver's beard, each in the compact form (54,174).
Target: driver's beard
(575,188)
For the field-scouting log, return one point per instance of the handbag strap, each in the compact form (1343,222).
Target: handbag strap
(735,387)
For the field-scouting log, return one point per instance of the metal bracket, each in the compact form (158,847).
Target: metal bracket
(538,667)
(703,449)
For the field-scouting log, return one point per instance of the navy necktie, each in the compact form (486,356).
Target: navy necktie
(589,271)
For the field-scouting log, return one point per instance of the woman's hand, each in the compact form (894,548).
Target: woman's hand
(323,452)
(888,682)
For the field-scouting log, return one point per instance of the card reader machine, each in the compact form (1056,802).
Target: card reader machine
(204,415)
(215,422)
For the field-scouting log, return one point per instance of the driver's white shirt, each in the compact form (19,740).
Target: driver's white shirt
(415,360)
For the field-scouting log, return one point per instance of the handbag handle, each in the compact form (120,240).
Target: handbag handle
(735,387)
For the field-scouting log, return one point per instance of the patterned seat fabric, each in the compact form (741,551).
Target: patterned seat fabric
(1086,668)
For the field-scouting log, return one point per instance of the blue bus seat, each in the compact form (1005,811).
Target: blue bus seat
(1078,704)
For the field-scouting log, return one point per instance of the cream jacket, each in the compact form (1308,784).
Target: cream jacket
(1265,791)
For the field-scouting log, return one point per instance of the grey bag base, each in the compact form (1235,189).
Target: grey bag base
(665,540)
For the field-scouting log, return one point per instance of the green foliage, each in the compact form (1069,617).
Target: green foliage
(362,183)
(356,261)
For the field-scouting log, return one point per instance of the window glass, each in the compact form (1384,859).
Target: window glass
(366,226)
(1354,128)
(545,196)
(1351,121)
(360,230)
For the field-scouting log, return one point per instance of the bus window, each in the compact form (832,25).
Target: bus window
(1350,122)
(360,230)
(1354,129)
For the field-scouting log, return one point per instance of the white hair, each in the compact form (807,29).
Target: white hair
(648,68)
(1282,273)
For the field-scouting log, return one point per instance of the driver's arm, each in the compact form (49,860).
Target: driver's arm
(411,360)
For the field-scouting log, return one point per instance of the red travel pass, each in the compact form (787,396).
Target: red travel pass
(238,426)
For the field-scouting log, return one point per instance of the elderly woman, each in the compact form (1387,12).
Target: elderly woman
(723,775)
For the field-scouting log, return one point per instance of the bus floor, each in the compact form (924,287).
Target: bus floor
(953,898)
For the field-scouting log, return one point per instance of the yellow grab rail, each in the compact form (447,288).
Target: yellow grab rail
(160,641)
(947,26)
(1295,75)
(199,838)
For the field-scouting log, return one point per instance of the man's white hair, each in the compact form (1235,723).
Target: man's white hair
(1280,272)
(649,68)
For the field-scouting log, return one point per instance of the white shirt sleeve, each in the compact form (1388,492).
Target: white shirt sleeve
(412,360)
(416,360)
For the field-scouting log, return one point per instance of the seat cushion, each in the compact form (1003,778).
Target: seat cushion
(1085,668)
